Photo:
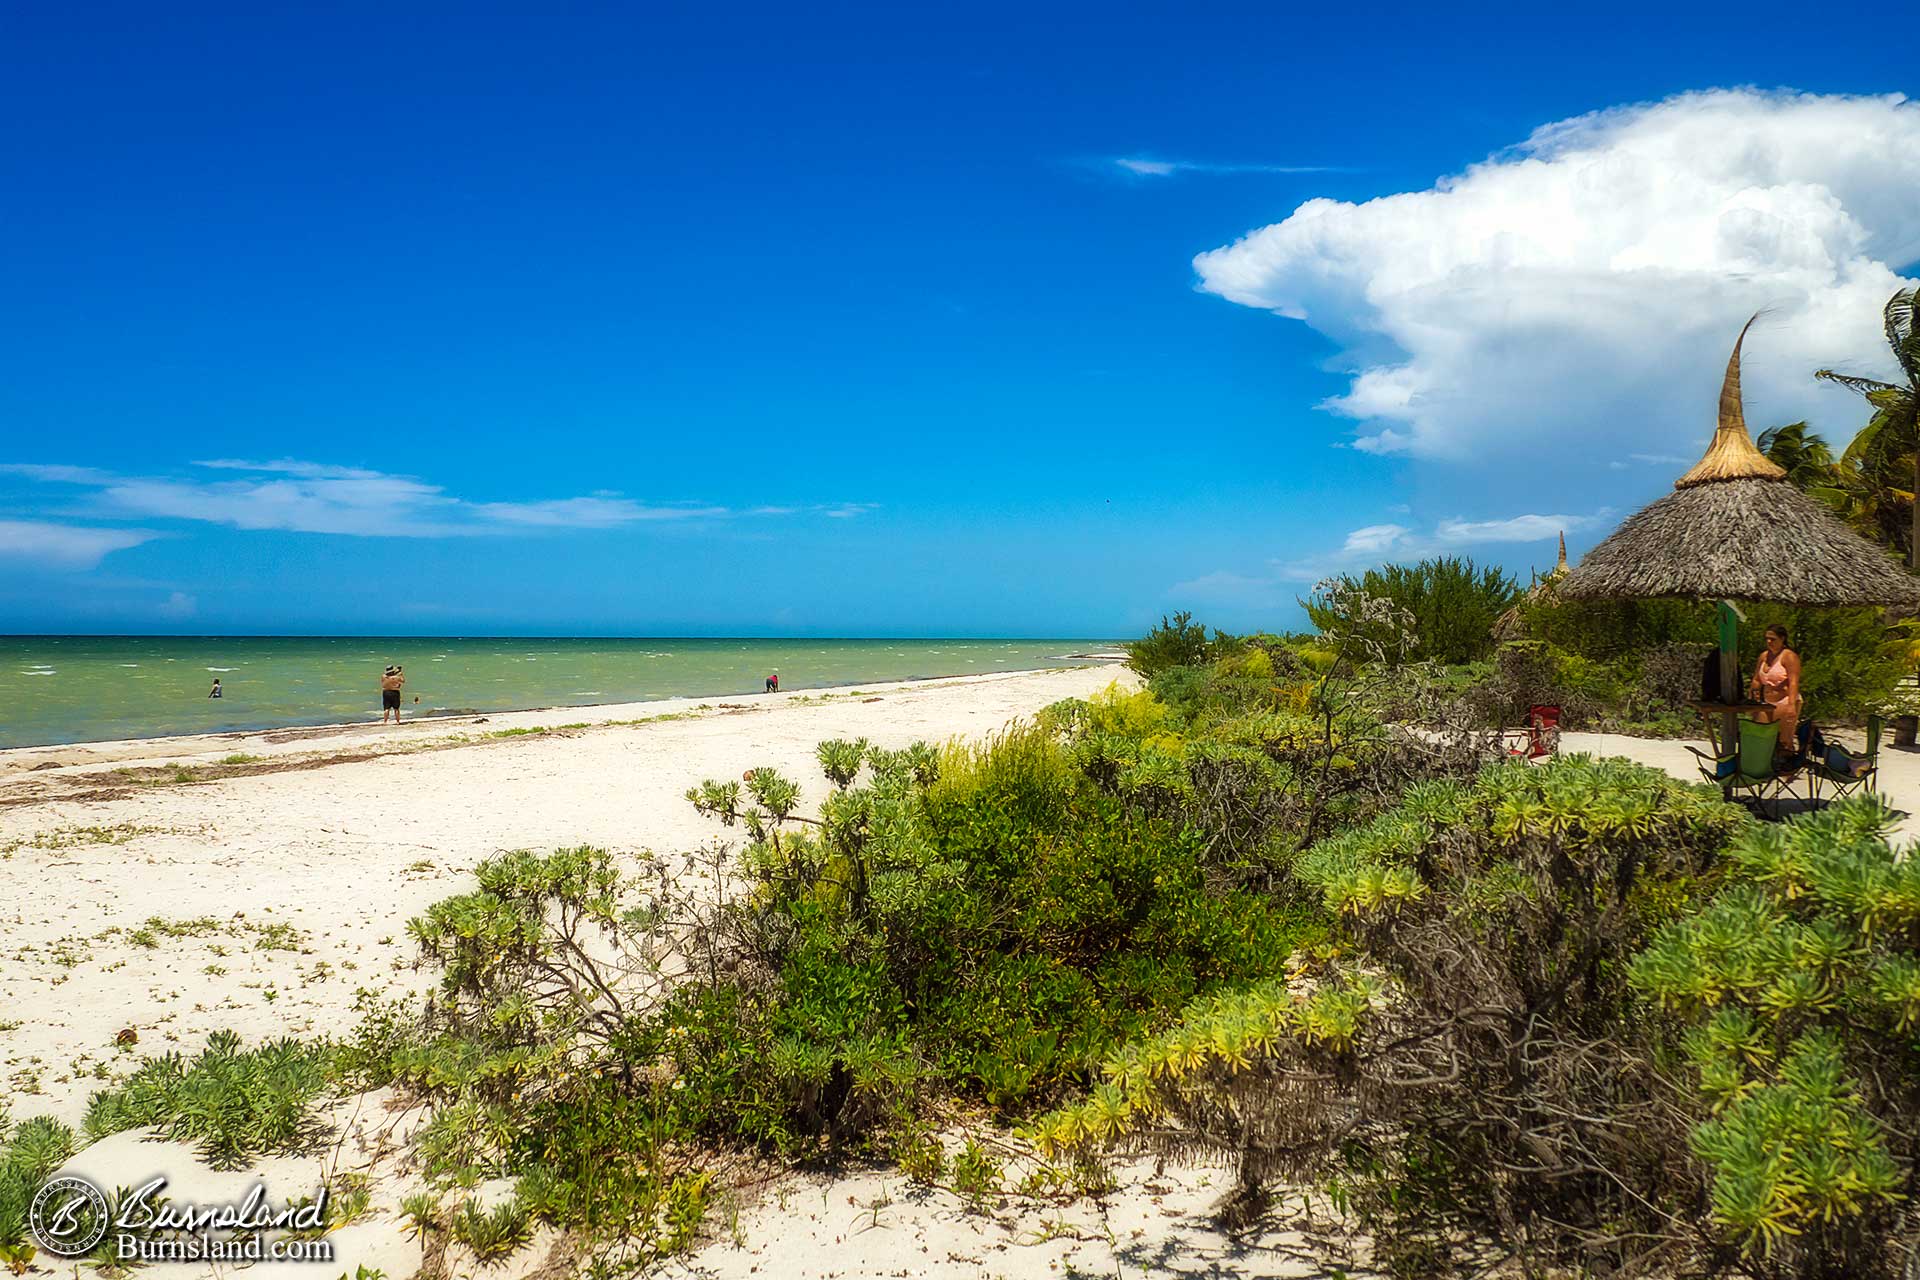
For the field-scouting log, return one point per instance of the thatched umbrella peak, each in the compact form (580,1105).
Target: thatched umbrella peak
(1736,529)
(1732,454)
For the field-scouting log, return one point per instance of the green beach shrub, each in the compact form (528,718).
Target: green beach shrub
(841,760)
(1452,603)
(1797,989)
(997,927)
(1465,1054)
(1177,642)
(540,1052)
(29,1154)
(231,1102)
(493,1233)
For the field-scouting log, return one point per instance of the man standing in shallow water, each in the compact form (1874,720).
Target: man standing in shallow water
(390,694)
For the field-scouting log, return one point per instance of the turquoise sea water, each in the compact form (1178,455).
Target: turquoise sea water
(90,688)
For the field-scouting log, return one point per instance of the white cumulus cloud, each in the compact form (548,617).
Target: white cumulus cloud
(1577,295)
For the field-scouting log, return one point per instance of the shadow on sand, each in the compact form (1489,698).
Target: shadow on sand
(1793,806)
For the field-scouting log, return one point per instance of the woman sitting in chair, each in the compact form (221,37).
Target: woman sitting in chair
(1776,682)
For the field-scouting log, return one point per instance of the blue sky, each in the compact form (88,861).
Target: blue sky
(892,320)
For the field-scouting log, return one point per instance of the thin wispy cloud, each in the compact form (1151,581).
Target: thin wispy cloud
(1223,586)
(46,544)
(1373,539)
(589,513)
(1147,167)
(291,467)
(312,497)
(56,474)
(1281,579)
(1374,543)
(1473,533)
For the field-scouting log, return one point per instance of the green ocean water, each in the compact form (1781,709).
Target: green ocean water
(56,689)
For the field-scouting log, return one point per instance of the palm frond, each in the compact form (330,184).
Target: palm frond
(1865,386)
(1900,317)
(1863,443)
(1903,333)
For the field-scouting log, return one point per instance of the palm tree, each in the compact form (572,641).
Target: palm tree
(1804,454)
(1811,468)
(1887,446)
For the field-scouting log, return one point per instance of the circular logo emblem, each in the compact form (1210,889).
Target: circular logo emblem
(69,1217)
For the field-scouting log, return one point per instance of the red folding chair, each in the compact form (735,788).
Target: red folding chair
(1540,738)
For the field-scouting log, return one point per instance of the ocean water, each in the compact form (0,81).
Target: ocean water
(56,689)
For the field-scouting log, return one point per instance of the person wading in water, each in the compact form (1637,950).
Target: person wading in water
(390,694)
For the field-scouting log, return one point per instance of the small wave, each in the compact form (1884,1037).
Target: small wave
(129,664)
(222,668)
(586,693)
(39,673)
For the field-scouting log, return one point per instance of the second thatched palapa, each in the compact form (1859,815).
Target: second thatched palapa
(1512,624)
(1735,528)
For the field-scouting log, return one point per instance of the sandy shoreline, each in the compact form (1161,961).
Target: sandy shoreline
(280,740)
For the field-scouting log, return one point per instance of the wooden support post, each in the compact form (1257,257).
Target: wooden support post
(1729,672)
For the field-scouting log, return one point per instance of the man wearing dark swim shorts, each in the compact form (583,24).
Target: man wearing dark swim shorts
(390,694)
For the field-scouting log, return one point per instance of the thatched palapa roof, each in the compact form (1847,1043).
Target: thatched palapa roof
(1512,624)
(1736,529)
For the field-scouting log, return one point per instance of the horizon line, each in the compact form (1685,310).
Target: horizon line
(435,635)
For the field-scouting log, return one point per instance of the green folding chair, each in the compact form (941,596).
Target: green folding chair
(1845,771)
(1749,768)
